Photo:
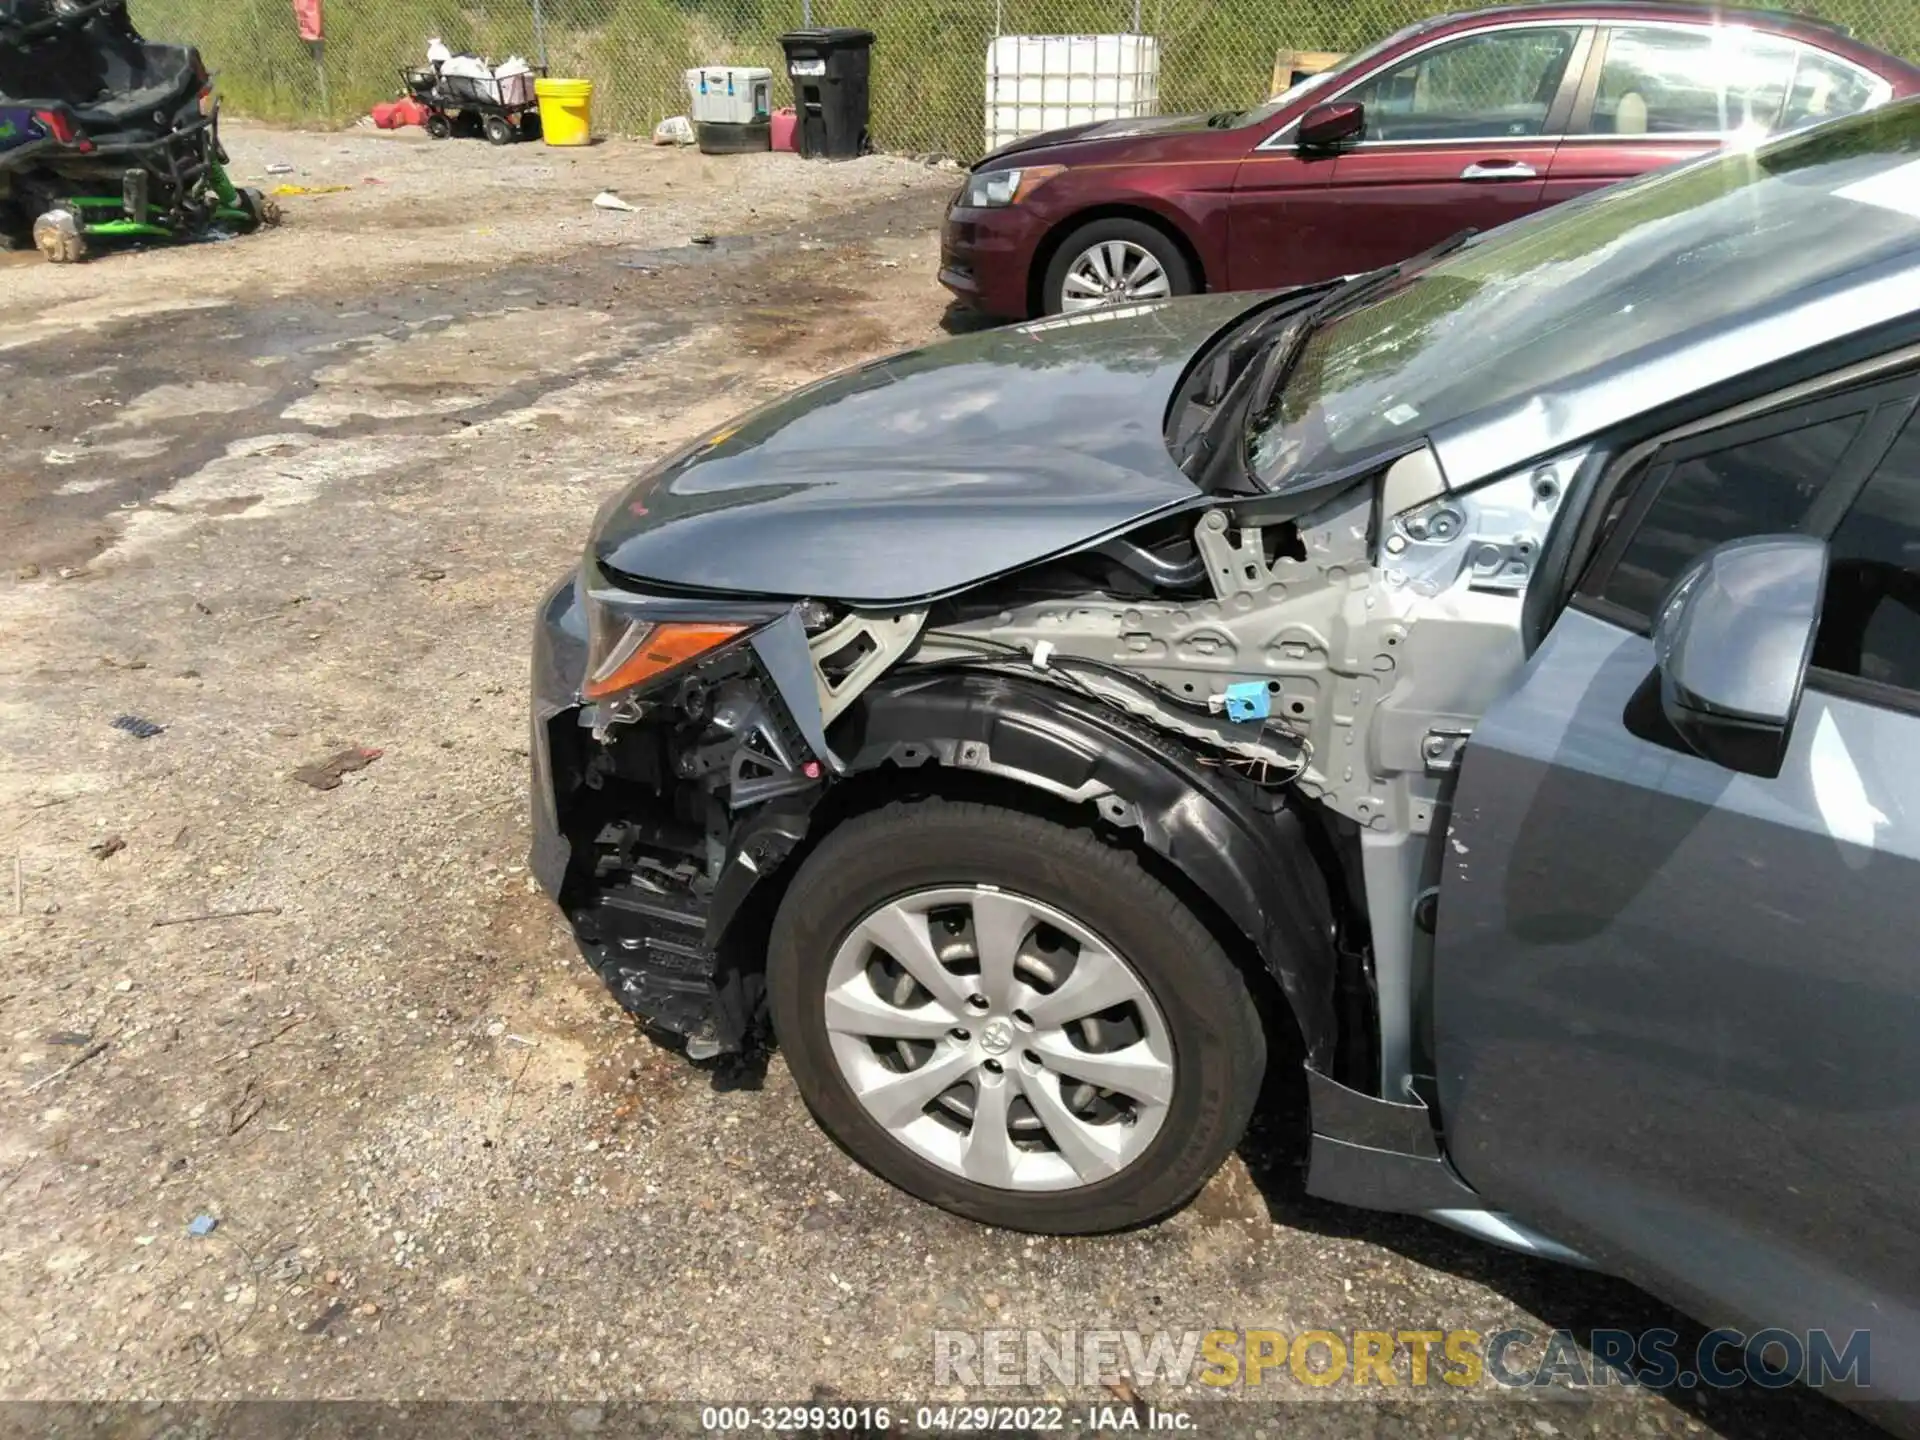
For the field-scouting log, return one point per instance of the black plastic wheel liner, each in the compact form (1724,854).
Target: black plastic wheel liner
(1255,865)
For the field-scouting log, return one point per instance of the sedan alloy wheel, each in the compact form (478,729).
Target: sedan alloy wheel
(1111,272)
(999,1038)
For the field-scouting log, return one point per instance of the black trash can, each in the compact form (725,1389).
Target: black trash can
(829,72)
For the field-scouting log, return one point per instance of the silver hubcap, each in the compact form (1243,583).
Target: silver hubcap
(999,1038)
(1112,271)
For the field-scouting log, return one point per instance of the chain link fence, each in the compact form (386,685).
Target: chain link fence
(929,61)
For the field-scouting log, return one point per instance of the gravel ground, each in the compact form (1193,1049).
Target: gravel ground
(410,204)
(300,493)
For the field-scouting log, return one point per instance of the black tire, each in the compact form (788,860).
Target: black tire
(500,130)
(263,211)
(439,127)
(530,125)
(1180,276)
(1219,1049)
(16,230)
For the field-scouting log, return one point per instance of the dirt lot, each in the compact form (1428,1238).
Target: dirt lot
(300,492)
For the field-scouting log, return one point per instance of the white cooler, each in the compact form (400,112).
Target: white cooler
(730,94)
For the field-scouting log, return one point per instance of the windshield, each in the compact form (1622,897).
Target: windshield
(1273,107)
(1625,273)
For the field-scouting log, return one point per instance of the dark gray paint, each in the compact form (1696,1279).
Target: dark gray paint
(1343,1113)
(559,661)
(927,471)
(782,648)
(1370,1179)
(1676,1007)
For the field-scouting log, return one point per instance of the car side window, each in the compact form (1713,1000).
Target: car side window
(1825,87)
(1702,493)
(1674,80)
(1870,626)
(1497,84)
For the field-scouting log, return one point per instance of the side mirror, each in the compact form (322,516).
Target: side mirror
(1733,639)
(1328,126)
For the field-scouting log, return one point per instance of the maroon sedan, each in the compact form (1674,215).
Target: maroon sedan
(1456,122)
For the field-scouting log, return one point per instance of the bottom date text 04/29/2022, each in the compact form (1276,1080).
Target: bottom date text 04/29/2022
(941,1419)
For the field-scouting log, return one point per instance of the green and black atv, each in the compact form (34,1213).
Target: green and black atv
(106,136)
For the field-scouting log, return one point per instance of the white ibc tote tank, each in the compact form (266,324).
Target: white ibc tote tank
(1042,82)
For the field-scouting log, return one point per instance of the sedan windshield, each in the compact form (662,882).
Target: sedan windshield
(1515,314)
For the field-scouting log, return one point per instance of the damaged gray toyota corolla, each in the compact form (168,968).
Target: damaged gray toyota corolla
(1043,729)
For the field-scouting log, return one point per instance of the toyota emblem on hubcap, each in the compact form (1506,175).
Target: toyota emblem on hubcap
(996,1037)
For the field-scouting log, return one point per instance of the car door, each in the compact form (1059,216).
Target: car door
(1277,221)
(1460,135)
(1660,93)
(1677,1009)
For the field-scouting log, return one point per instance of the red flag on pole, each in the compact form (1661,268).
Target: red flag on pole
(307,14)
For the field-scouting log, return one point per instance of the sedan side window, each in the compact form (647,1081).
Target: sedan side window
(1702,494)
(1825,87)
(1804,469)
(1870,628)
(1699,80)
(1499,83)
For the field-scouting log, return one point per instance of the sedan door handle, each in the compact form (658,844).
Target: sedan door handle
(1499,170)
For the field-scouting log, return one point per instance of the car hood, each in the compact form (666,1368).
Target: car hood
(1097,130)
(925,472)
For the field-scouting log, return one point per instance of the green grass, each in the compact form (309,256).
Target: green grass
(929,61)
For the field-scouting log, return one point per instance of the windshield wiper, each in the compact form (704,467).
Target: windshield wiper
(1356,292)
(1224,400)
(1278,350)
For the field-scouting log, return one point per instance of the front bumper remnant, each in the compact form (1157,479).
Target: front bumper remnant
(647,865)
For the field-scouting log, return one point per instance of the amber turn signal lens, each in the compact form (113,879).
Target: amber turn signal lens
(647,651)
(1033,177)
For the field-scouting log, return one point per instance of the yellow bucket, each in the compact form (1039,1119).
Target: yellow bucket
(566,110)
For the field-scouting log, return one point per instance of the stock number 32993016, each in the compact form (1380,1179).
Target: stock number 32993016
(920,1419)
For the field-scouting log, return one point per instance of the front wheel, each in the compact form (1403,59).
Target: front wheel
(501,131)
(60,238)
(1011,1019)
(439,127)
(1112,262)
(15,232)
(262,211)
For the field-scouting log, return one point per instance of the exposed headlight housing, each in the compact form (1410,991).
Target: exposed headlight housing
(633,641)
(625,653)
(997,189)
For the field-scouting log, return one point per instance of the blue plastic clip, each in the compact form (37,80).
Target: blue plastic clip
(1248,700)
